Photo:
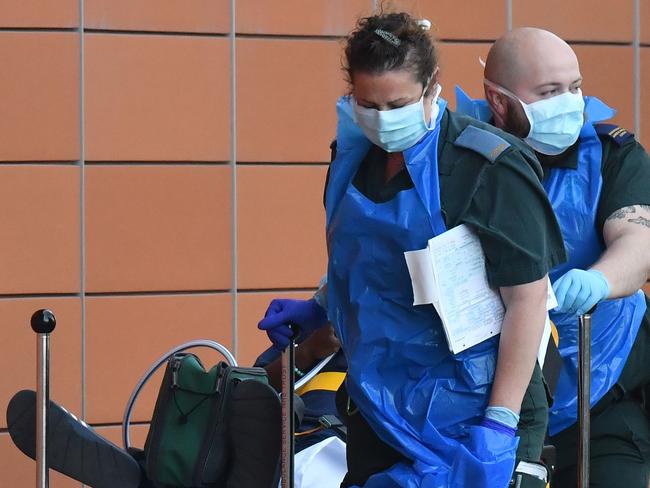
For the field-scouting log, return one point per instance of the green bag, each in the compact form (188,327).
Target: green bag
(187,445)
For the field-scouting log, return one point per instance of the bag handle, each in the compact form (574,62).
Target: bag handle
(126,420)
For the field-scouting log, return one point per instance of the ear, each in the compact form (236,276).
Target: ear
(435,76)
(432,81)
(498,105)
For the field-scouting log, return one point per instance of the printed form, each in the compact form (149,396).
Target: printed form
(450,274)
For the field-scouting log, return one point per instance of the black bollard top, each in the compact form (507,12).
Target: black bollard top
(43,321)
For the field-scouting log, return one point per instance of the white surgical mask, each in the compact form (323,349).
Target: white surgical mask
(555,122)
(397,129)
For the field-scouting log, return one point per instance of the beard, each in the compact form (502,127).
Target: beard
(516,122)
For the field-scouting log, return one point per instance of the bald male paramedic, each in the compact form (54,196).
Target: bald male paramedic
(597,177)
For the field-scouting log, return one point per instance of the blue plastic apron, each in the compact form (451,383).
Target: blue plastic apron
(574,195)
(418,397)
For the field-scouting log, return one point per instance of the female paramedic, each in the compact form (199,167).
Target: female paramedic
(407,169)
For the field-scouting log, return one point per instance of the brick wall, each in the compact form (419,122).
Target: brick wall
(162,165)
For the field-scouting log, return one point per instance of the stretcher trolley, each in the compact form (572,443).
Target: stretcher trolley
(43,323)
(584,396)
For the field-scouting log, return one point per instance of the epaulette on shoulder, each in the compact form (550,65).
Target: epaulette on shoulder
(619,135)
(486,143)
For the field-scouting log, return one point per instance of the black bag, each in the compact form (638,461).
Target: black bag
(188,444)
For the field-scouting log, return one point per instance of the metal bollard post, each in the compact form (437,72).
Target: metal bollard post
(288,415)
(584,395)
(43,323)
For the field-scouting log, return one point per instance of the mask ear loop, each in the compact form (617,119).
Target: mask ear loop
(501,89)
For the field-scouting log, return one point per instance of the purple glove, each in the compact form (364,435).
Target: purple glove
(282,313)
(501,419)
(498,426)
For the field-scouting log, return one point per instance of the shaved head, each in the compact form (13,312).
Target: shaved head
(532,64)
(526,58)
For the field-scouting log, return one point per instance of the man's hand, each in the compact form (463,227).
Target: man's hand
(283,313)
(577,291)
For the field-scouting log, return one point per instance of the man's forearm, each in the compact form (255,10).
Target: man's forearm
(626,260)
(625,264)
(521,334)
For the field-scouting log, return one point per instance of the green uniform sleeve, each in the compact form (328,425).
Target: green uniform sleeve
(515,222)
(626,178)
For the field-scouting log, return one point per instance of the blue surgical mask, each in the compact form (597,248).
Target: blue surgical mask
(398,129)
(555,123)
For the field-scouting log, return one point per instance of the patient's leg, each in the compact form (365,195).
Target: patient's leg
(73,448)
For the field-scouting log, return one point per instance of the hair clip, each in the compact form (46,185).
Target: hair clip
(424,23)
(388,37)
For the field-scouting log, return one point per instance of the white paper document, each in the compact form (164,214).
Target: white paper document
(551,303)
(450,274)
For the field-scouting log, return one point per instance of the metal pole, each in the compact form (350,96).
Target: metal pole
(43,323)
(584,395)
(288,418)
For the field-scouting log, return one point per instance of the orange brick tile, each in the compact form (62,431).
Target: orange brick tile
(251,341)
(18,352)
(39,13)
(645,97)
(19,471)
(157,98)
(281,228)
(583,20)
(297,17)
(644,19)
(470,19)
(459,65)
(616,88)
(211,16)
(286,96)
(158,228)
(40,104)
(40,213)
(125,335)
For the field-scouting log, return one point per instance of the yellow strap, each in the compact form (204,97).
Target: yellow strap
(310,431)
(555,335)
(329,381)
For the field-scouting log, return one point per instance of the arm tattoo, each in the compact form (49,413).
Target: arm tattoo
(645,207)
(621,213)
(641,221)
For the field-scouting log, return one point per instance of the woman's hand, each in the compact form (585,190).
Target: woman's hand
(282,313)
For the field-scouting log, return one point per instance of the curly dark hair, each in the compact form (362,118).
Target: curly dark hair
(401,44)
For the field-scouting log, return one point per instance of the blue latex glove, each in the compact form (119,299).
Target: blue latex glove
(308,315)
(577,291)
